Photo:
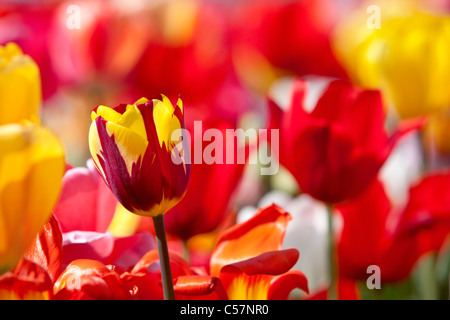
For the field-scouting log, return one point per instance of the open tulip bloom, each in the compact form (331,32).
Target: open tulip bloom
(132,149)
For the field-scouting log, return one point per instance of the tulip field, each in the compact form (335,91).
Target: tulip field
(225,150)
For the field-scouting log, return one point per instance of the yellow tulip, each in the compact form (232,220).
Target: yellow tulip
(31,168)
(20,86)
(406,58)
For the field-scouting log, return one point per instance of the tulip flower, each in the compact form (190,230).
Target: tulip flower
(277,38)
(31,168)
(336,150)
(85,279)
(406,58)
(92,222)
(20,86)
(133,149)
(210,189)
(180,50)
(28,281)
(249,261)
(394,239)
(85,203)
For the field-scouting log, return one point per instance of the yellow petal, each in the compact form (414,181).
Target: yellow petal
(132,119)
(165,122)
(132,146)
(141,101)
(249,287)
(20,86)
(31,168)
(109,114)
(124,223)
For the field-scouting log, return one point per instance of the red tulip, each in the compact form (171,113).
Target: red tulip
(272,38)
(190,57)
(365,227)
(375,234)
(336,150)
(209,191)
(89,280)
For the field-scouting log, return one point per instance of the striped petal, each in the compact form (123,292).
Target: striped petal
(262,233)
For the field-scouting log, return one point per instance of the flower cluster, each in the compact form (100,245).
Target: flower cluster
(130,166)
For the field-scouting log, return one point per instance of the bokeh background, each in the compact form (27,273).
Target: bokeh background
(225,58)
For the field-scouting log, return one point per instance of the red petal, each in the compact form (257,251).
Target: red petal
(209,192)
(347,290)
(272,263)
(250,279)
(364,226)
(28,280)
(281,286)
(424,226)
(104,247)
(200,287)
(89,279)
(85,203)
(145,278)
(262,233)
(46,249)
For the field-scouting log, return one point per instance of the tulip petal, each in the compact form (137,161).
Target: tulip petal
(165,122)
(281,286)
(46,249)
(86,203)
(199,287)
(263,232)
(89,279)
(20,85)
(31,168)
(251,278)
(28,281)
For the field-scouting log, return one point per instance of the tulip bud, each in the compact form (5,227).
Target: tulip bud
(20,86)
(132,147)
(31,168)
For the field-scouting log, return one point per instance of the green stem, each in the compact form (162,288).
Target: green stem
(331,255)
(426,278)
(185,250)
(166,275)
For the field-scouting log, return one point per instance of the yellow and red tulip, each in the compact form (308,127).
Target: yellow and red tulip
(20,86)
(31,168)
(132,147)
